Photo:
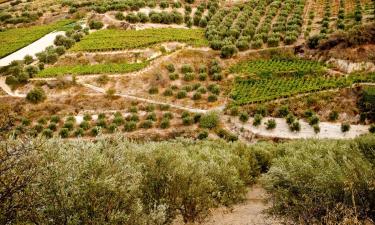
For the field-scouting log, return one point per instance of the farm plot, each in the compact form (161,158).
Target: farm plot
(278,67)
(248,91)
(106,68)
(255,24)
(107,40)
(14,39)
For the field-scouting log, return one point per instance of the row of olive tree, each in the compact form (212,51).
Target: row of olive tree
(324,182)
(114,181)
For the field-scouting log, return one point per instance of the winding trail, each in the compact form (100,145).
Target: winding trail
(101,90)
(8,91)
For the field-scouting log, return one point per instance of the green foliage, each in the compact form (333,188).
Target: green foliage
(209,121)
(323,178)
(333,116)
(36,95)
(257,120)
(244,117)
(295,126)
(96,25)
(345,127)
(270,124)
(130,126)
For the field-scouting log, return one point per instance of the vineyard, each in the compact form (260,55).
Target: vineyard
(278,66)
(14,39)
(106,40)
(248,91)
(91,69)
(255,24)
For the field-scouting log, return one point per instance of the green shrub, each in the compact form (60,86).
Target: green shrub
(295,126)
(147,124)
(187,121)
(153,90)
(95,131)
(186,68)
(316,128)
(36,96)
(130,126)
(202,135)
(228,51)
(96,25)
(165,123)
(168,115)
(101,123)
(313,120)
(290,119)
(170,68)
(85,125)
(209,120)
(181,94)
(69,125)
(202,76)
(47,133)
(151,116)
(283,111)
(173,76)
(270,124)
(345,127)
(257,120)
(55,119)
(244,117)
(202,90)
(196,96)
(112,128)
(372,128)
(309,113)
(79,132)
(189,76)
(64,132)
(52,126)
(212,98)
(333,116)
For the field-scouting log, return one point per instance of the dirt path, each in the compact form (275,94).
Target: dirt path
(249,212)
(101,90)
(31,49)
(8,91)
(327,130)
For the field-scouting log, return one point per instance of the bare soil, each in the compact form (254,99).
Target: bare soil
(249,212)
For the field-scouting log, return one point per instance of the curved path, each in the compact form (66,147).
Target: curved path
(8,91)
(101,90)
(31,49)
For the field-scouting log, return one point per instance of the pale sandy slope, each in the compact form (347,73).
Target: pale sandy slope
(327,130)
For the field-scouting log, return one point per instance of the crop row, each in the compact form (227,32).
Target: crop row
(14,39)
(106,68)
(106,40)
(247,91)
(255,23)
(277,66)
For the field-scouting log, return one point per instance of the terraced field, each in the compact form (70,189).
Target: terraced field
(106,40)
(14,39)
